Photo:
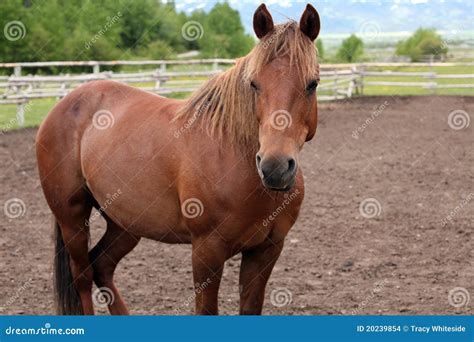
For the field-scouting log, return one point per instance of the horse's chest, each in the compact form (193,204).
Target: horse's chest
(261,220)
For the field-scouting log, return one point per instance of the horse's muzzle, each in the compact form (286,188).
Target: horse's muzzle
(277,173)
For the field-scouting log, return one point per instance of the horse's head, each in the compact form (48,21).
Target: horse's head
(285,91)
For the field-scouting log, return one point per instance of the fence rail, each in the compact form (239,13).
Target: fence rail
(338,80)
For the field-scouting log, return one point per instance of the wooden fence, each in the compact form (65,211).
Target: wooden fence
(338,81)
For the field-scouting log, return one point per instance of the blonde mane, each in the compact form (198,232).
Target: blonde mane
(225,105)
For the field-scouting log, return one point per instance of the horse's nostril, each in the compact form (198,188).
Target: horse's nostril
(258,158)
(291,165)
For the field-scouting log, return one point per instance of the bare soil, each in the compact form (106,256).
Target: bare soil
(404,260)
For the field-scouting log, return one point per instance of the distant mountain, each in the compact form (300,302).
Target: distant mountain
(362,16)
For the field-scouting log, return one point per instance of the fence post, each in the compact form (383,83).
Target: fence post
(353,83)
(158,72)
(17,70)
(432,76)
(96,68)
(335,84)
(20,109)
(433,83)
(157,81)
(20,114)
(215,66)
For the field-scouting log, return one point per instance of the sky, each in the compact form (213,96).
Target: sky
(353,16)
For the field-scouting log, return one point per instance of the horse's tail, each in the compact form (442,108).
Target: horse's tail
(67,298)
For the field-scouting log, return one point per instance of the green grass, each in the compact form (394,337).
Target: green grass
(415,90)
(395,90)
(36,110)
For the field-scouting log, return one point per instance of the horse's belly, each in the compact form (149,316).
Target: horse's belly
(156,219)
(142,207)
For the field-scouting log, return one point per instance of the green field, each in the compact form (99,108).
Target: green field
(36,110)
(395,90)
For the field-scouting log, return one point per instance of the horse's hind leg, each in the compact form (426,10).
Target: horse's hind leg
(73,270)
(105,256)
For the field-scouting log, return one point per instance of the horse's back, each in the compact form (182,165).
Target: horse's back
(93,116)
(99,104)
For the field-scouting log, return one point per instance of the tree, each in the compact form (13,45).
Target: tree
(423,42)
(110,29)
(224,33)
(351,49)
(320,48)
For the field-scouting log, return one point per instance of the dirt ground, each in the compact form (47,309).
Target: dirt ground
(397,153)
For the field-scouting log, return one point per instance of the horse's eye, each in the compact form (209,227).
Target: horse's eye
(253,85)
(312,86)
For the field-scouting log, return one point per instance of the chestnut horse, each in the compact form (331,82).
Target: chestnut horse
(183,171)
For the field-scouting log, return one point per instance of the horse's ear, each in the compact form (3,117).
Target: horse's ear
(310,23)
(262,21)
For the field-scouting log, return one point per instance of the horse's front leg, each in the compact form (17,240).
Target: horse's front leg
(209,256)
(257,265)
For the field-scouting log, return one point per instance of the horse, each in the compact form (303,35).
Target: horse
(218,170)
